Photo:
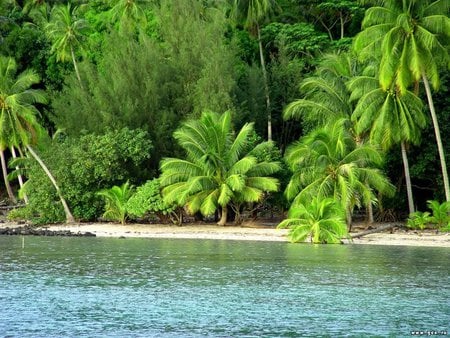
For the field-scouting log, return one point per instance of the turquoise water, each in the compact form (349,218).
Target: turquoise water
(100,287)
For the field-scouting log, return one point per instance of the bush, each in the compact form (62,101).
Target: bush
(148,201)
(83,166)
(116,199)
(438,218)
(419,220)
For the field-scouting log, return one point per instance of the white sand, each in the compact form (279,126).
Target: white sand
(249,231)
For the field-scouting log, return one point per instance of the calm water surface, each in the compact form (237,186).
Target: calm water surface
(101,287)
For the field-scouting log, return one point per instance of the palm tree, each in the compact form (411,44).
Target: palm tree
(15,92)
(116,200)
(328,162)
(321,219)
(389,117)
(217,170)
(18,124)
(252,13)
(128,12)
(411,36)
(66,31)
(326,97)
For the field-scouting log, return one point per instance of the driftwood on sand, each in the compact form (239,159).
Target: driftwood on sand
(378,229)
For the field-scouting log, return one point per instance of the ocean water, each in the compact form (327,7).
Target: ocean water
(104,287)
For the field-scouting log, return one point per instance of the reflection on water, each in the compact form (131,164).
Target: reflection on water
(172,288)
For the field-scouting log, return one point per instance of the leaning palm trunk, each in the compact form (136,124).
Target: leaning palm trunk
(19,177)
(407,178)
(266,86)
(11,196)
(438,137)
(69,216)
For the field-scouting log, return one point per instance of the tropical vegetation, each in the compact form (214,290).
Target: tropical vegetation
(175,97)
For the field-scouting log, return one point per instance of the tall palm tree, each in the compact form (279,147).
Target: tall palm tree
(217,170)
(326,97)
(328,162)
(128,12)
(252,13)
(18,124)
(411,36)
(66,31)
(322,219)
(389,117)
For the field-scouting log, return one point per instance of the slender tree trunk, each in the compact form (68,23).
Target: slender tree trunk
(223,218)
(407,178)
(266,85)
(11,196)
(75,66)
(341,18)
(348,218)
(327,29)
(438,137)
(69,216)
(20,177)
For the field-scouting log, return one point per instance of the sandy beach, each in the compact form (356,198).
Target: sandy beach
(248,231)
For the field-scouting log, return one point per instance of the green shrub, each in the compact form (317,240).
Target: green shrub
(419,220)
(83,166)
(438,218)
(116,199)
(439,212)
(148,200)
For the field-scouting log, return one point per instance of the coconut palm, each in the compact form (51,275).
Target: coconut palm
(326,97)
(321,219)
(128,12)
(252,13)
(217,170)
(328,162)
(18,124)
(66,31)
(411,36)
(389,117)
(15,98)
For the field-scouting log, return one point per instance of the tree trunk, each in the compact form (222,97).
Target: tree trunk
(370,212)
(20,178)
(373,231)
(223,218)
(438,137)
(407,178)
(75,66)
(69,216)
(11,196)
(266,86)
(348,219)
(341,18)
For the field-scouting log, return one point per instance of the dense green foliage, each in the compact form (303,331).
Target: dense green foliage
(118,81)
(83,166)
(438,218)
(148,201)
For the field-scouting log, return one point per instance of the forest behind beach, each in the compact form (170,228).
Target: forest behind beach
(314,113)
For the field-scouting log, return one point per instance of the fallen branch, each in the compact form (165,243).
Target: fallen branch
(373,231)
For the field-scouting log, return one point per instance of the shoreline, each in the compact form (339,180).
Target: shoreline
(250,231)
